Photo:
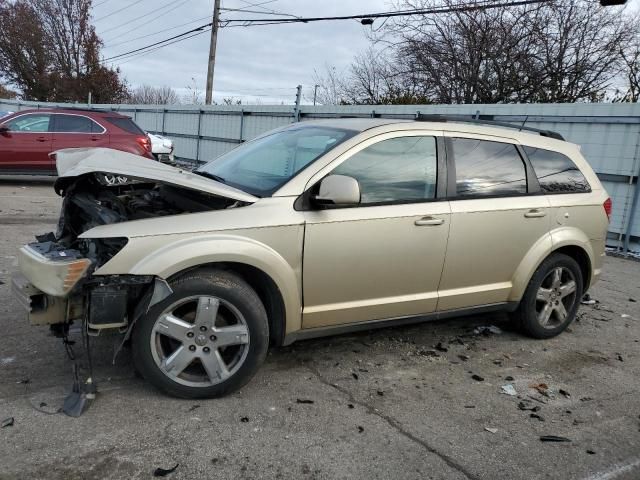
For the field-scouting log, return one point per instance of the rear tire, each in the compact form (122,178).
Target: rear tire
(552,298)
(206,339)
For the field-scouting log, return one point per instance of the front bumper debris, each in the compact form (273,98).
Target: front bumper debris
(42,309)
(53,271)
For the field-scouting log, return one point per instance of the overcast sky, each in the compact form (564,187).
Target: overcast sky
(263,63)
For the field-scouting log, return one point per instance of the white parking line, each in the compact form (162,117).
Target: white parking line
(615,470)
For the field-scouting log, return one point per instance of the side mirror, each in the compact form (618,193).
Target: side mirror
(338,190)
(4,130)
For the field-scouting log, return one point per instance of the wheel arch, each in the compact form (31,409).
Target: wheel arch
(264,286)
(276,281)
(569,241)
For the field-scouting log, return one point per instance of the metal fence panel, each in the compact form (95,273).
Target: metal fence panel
(609,134)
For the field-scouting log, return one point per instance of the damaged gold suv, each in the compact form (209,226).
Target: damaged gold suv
(317,228)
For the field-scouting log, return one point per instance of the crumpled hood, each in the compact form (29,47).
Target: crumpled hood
(73,162)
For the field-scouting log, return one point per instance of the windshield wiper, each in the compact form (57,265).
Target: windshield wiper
(211,176)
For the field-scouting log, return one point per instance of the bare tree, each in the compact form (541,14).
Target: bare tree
(329,86)
(557,51)
(195,95)
(150,95)
(50,51)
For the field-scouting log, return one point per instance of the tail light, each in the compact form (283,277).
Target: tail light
(608,205)
(144,142)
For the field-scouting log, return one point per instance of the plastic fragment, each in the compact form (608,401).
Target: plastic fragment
(537,417)
(7,422)
(554,438)
(477,378)
(508,390)
(487,330)
(163,472)
(304,401)
(244,419)
(491,430)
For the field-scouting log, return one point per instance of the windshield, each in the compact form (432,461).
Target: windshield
(262,166)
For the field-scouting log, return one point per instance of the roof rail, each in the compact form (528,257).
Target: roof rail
(483,120)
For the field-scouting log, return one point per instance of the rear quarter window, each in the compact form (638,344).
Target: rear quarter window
(556,172)
(126,124)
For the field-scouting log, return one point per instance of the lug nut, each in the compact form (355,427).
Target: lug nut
(203,328)
(192,348)
(213,338)
(190,334)
(205,349)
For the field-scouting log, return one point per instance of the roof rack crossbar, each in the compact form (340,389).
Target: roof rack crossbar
(483,120)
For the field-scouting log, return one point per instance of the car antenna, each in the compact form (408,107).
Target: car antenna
(525,121)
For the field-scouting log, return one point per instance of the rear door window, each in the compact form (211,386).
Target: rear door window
(126,124)
(30,123)
(75,124)
(485,168)
(556,172)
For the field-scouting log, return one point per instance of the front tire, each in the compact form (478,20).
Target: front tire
(552,298)
(206,339)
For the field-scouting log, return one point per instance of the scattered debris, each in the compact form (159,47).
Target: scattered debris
(350,405)
(591,452)
(193,407)
(304,400)
(7,422)
(354,375)
(542,388)
(508,390)
(24,381)
(360,429)
(625,315)
(553,438)
(477,378)
(7,360)
(587,300)
(469,406)
(525,405)
(586,399)
(380,393)
(163,472)
(619,357)
(509,378)
(564,393)
(428,353)
(491,430)
(1,282)
(487,330)
(536,416)
(244,419)
(632,300)
(441,348)
(464,358)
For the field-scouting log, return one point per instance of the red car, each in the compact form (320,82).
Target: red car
(27,137)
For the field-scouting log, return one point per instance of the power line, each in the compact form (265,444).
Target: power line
(118,11)
(183,34)
(156,33)
(133,56)
(144,15)
(269,21)
(486,5)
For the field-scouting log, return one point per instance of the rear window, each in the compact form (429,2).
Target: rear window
(126,124)
(75,124)
(556,172)
(485,168)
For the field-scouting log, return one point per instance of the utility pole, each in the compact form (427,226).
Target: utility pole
(298,95)
(315,93)
(212,51)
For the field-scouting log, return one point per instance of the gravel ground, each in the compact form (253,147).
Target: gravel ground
(392,403)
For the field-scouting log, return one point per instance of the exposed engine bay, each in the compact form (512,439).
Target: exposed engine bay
(101,199)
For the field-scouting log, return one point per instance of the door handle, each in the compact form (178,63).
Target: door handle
(535,213)
(425,221)
(41,139)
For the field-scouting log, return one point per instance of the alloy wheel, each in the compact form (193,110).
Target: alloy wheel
(200,341)
(556,297)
